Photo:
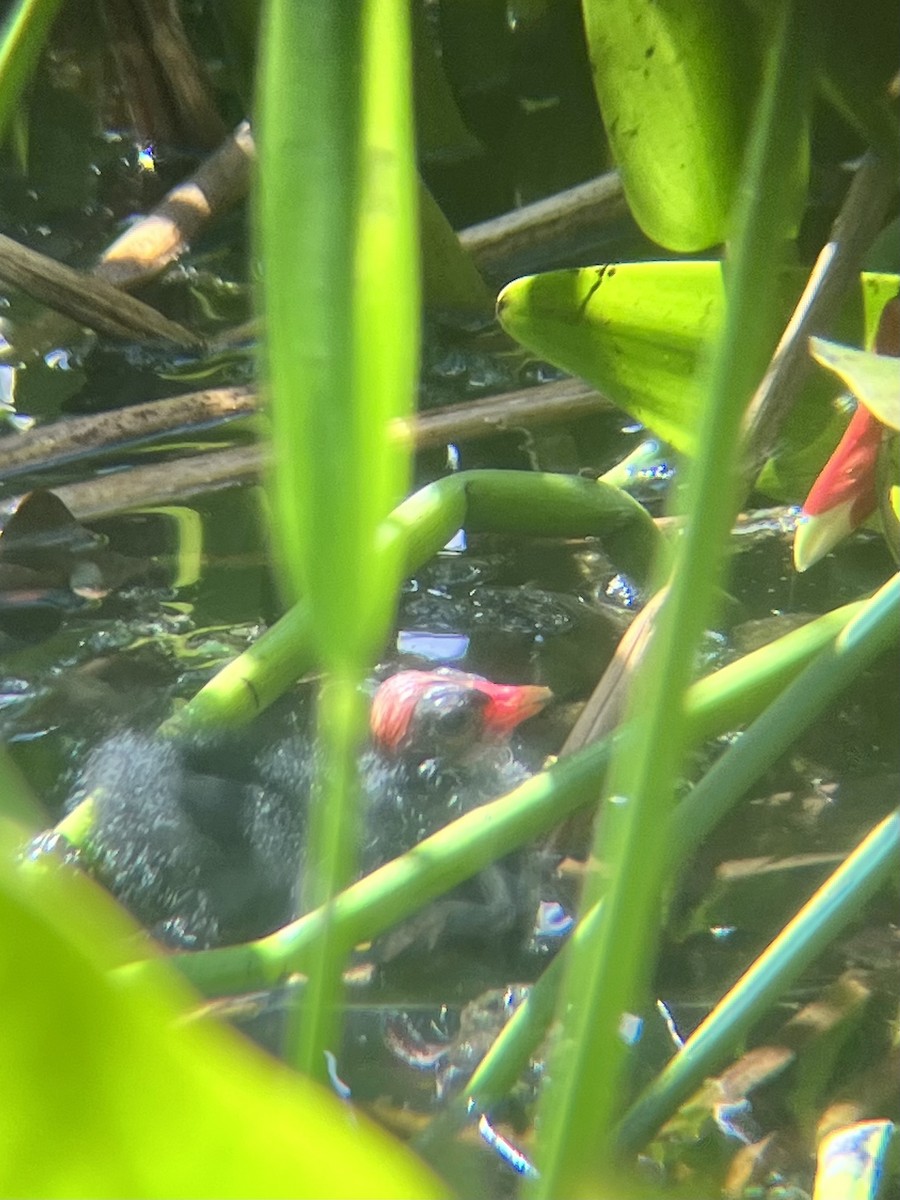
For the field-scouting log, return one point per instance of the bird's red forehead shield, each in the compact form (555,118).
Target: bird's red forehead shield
(396,699)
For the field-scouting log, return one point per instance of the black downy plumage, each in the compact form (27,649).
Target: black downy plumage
(204,843)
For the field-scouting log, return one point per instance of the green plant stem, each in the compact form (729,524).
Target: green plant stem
(315,1026)
(608,977)
(833,906)
(17,801)
(873,630)
(721,701)
(874,627)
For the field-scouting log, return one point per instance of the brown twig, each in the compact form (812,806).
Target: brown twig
(556,221)
(81,437)
(148,246)
(89,301)
(566,399)
(76,437)
(163,84)
(162,483)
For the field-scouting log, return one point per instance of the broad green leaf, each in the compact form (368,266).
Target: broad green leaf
(336,224)
(109,1091)
(874,379)
(633,330)
(638,333)
(672,86)
(450,280)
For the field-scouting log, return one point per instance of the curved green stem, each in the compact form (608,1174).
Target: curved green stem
(482,501)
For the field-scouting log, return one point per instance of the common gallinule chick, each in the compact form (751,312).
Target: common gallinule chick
(206,852)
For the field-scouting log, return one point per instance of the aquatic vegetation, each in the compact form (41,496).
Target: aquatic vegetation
(709,123)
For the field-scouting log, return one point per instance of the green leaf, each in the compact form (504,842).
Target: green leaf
(874,379)
(638,333)
(674,100)
(450,280)
(337,231)
(109,1091)
(337,234)
(633,330)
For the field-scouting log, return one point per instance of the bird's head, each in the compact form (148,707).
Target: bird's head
(433,712)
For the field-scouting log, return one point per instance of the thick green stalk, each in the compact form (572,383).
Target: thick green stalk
(17,801)
(874,628)
(336,228)
(341,715)
(609,976)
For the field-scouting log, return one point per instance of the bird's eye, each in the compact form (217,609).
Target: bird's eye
(455,721)
(447,716)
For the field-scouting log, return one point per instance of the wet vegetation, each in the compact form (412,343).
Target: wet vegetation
(441,757)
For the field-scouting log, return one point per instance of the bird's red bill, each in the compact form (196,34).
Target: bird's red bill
(510,704)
